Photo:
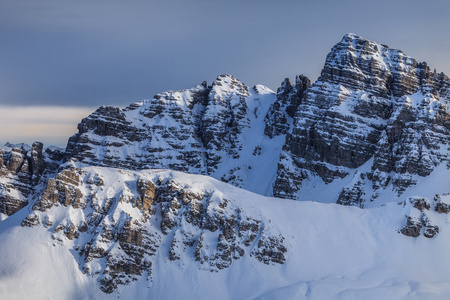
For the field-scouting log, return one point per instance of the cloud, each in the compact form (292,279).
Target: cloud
(48,124)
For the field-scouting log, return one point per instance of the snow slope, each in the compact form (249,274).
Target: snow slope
(333,252)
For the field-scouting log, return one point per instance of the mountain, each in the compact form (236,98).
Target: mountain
(371,106)
(181,195)
(215,130)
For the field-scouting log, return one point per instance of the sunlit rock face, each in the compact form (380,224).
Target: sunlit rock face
(370,102)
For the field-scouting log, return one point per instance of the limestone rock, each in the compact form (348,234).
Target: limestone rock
(442,208)
(430,229)
(413,227)
(420,217)
(369,102)
(61,190)
(420,203)
(289,96)
(117,221)
(353,194)
(22,168)
(192,130)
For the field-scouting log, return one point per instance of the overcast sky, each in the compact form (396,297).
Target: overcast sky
(58,55)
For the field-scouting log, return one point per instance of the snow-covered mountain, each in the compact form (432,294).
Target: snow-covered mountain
(371,106)
(216,130)
(172,197)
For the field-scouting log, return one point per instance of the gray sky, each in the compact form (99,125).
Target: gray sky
(85,54)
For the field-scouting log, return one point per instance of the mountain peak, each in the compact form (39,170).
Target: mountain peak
(351,36)
(226,84)
(362,45)
(359,63)
(357,39)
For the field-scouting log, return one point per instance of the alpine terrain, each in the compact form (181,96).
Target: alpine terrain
(333,189)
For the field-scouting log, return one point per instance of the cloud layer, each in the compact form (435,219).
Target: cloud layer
(51,125)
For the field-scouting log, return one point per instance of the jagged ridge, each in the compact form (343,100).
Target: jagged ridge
(212,130)
(369,102)
(119,220)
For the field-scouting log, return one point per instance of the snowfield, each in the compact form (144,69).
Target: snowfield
(333,252)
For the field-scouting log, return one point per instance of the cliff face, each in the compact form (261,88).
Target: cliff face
(21,169)
(370,102)
(216,130)
(119,222)
(278,119)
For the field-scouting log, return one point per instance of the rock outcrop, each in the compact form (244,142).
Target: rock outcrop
(278,119)
(421,216)
(21,169)
(120,220)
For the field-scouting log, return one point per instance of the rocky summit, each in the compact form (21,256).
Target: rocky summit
(371,105)
(216,130)
(183,189)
